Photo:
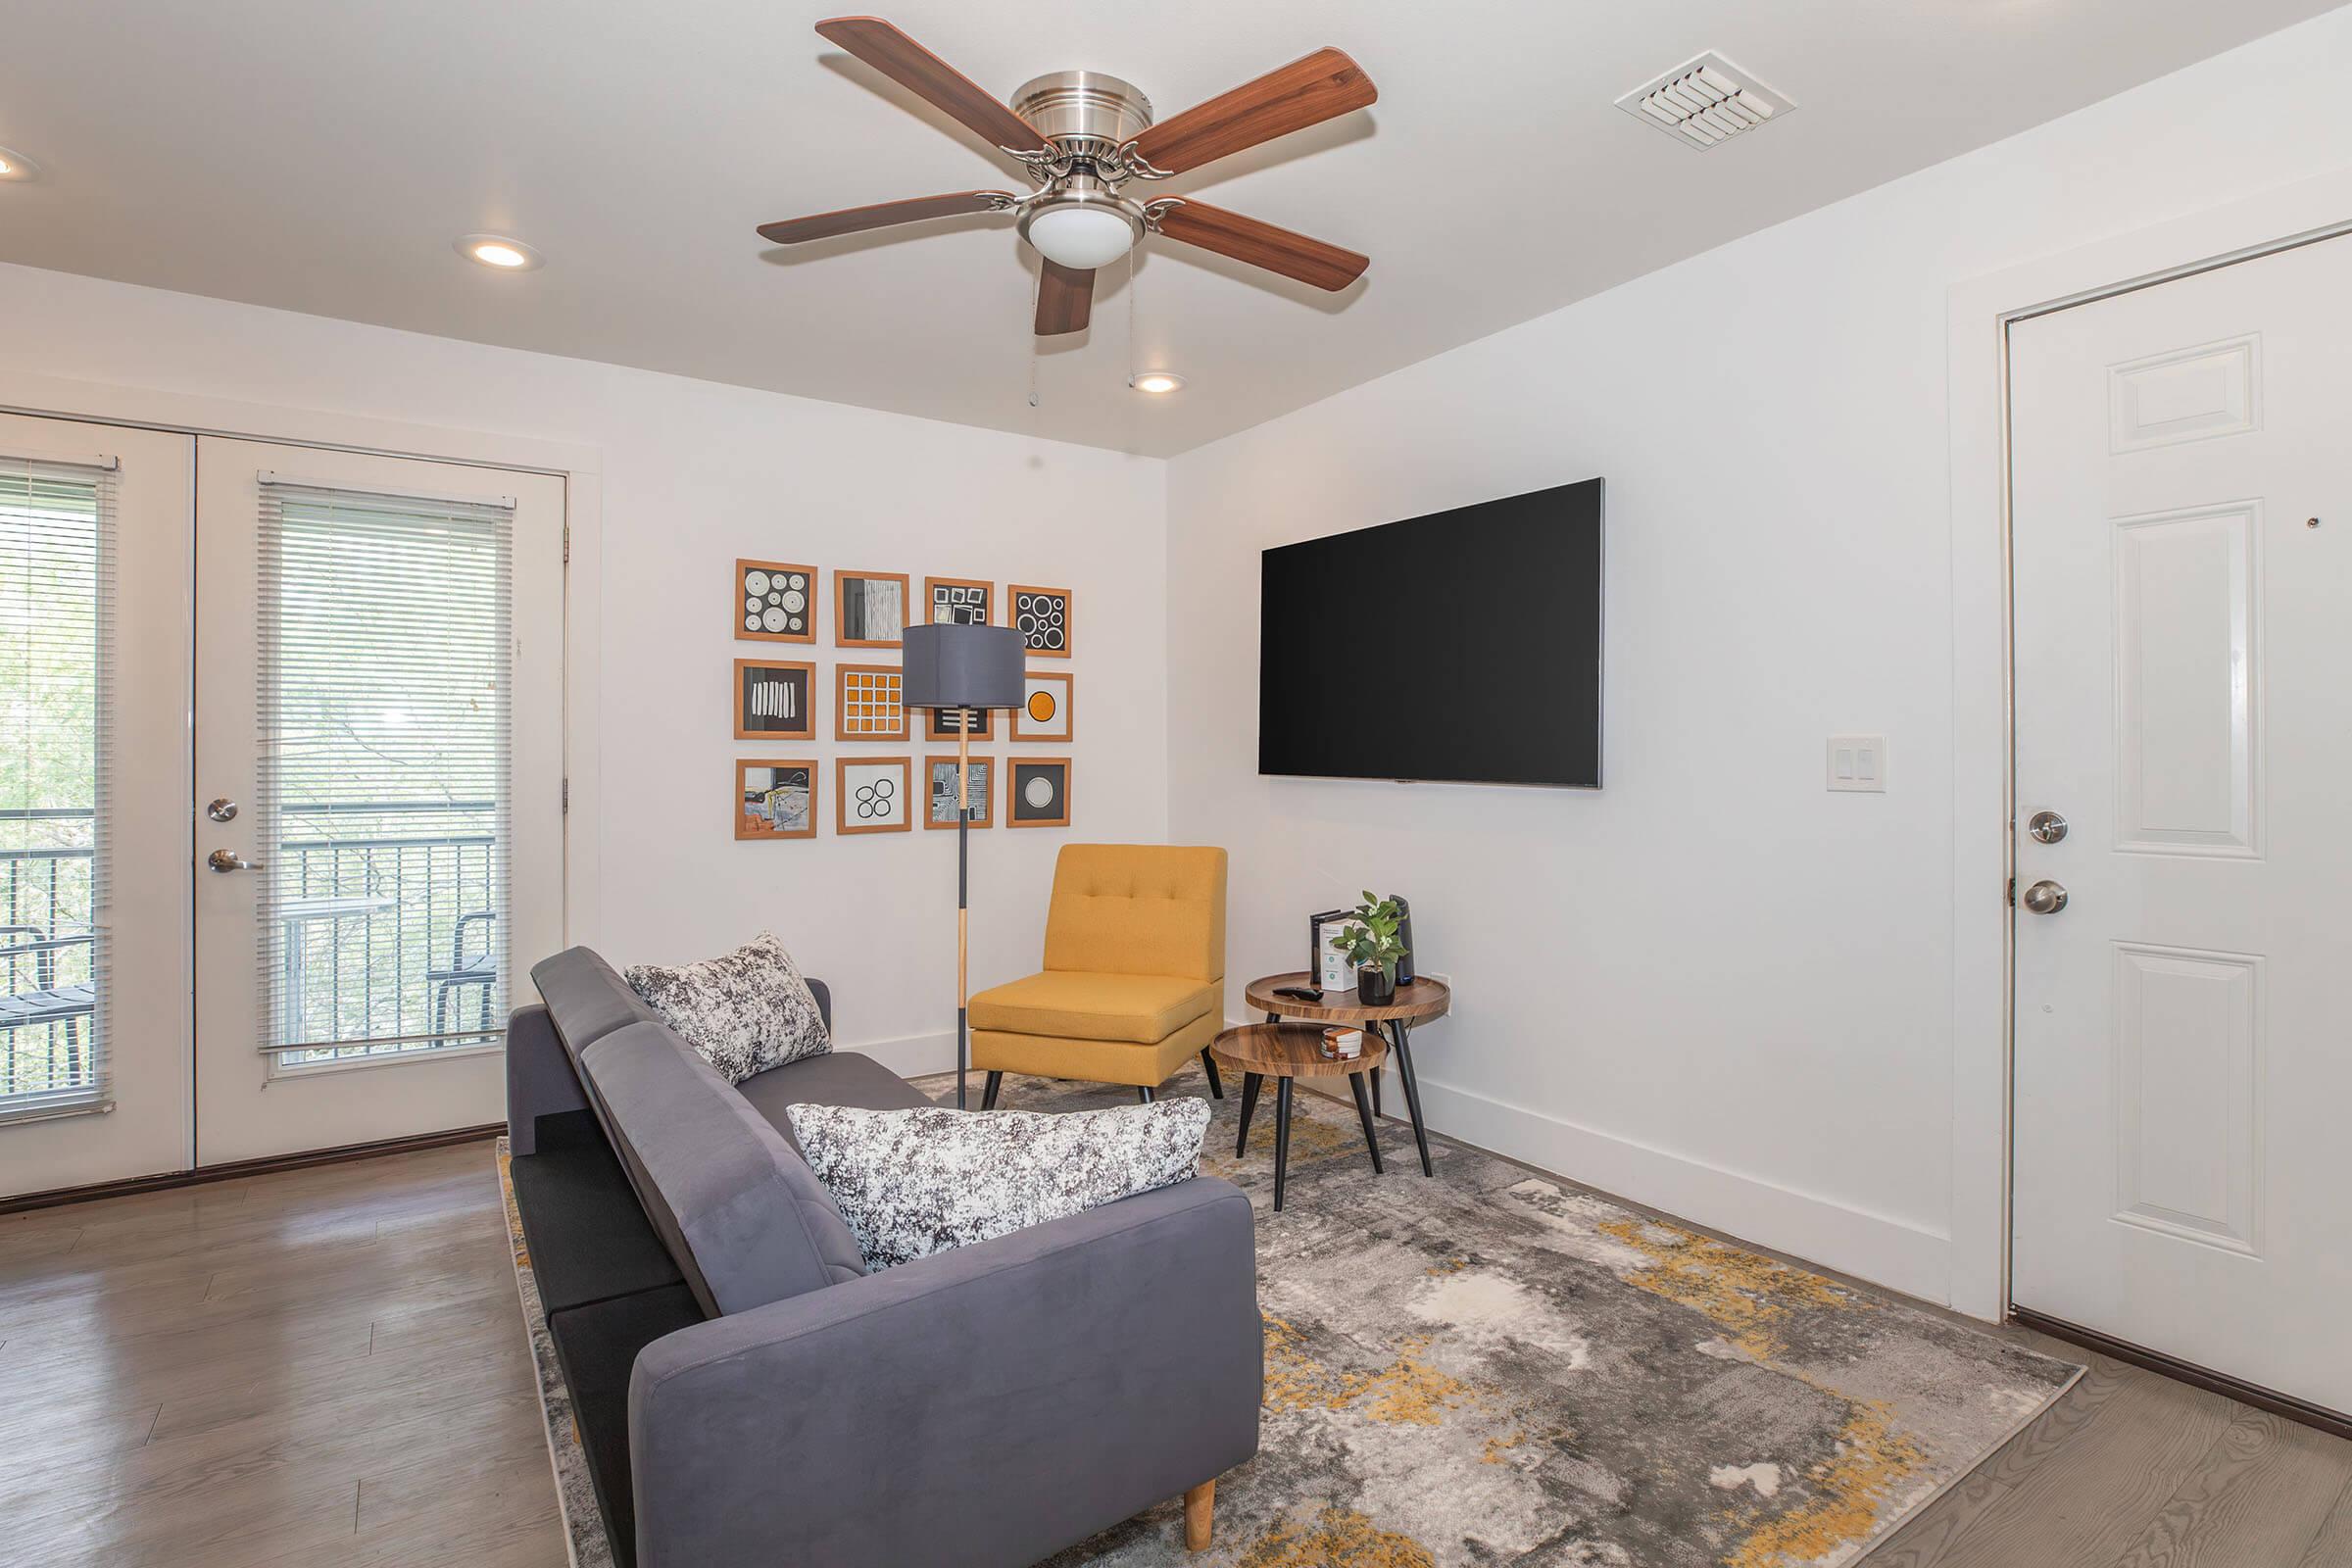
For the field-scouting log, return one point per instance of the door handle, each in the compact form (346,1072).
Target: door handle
(2045,896)
(231,861)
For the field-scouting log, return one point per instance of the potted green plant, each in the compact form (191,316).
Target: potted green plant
(1369,938)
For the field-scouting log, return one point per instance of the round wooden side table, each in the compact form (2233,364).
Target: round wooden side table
(1282,1052)
(1413,1003)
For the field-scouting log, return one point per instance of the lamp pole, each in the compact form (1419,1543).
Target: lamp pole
(963,829)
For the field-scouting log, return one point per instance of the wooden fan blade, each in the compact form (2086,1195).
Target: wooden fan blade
(1065,299)
(1305,92)
(1277,250)
(931,78)
(882,215)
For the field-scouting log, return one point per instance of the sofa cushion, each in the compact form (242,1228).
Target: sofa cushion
(585,999)
(911,1183)
(1083,1006)
(740,1211)
(837,1078)
(746,1011)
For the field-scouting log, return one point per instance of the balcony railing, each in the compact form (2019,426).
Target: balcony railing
(383,938)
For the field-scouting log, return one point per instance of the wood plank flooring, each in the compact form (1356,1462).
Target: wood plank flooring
(328,1366)
(323,1366)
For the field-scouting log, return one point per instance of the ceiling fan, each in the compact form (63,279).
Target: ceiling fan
(1082,135)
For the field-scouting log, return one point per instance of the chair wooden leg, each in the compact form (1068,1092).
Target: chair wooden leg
(1199,1515)
(988,1095)
(1216,1085)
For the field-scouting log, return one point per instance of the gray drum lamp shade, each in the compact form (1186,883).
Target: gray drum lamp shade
(963,666)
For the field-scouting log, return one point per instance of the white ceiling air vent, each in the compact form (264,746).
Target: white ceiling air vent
(1706,102)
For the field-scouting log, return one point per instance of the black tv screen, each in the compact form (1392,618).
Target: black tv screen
(1463,646)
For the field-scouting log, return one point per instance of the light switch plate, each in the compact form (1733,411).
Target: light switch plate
(1858,764)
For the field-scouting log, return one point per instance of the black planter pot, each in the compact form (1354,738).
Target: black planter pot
(1374,987)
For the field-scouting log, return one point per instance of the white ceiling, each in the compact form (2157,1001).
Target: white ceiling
(322,157)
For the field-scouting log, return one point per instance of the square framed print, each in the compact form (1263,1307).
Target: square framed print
(1045,711)
(870,703)
(869,609)
(871,795)
(939,793)
(775,602)
(775,798)
(1042,616)
(946,723)
(775,701)
(1037,792)
(959,600)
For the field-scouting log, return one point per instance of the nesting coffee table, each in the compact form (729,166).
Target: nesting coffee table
(1422,1000)
(1282,1052)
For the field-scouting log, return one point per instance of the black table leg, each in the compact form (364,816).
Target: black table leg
(1376,1090)
(1363,1113)
(1249,1083)
(1216,1085)
(1282,1134)
(1398,1035)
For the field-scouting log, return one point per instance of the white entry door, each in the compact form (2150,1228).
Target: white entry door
(378,789)
(2184,698)
(94,606)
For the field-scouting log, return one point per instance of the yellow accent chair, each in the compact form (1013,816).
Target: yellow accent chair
(1134,981)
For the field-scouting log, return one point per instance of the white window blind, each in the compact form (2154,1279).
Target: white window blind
(383,804)
(57,561)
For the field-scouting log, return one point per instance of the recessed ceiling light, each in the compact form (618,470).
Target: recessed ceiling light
(15,166)
(498,253)
(1157,383)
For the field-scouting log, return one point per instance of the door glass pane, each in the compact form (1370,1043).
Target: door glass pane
(56,539)
(384,673)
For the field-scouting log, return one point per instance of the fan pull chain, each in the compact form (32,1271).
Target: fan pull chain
(1035,295)
(1131,365)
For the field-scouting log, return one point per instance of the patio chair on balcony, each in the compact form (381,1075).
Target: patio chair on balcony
(479,971)
(48,1002)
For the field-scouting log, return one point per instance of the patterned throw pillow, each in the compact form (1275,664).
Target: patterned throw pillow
(911,1183)
(743,1014)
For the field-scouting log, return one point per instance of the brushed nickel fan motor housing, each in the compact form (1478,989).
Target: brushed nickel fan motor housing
(1078,110)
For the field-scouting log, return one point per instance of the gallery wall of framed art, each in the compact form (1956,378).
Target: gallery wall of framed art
(776,700)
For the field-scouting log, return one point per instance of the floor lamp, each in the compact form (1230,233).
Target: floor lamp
(966,669)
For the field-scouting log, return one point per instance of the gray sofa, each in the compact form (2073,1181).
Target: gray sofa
(748,1394)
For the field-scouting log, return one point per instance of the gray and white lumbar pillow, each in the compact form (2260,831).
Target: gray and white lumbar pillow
(911,1183)
(742,1012)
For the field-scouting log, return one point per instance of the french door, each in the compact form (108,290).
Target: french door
(378,789)
(2183,550)
(94,879)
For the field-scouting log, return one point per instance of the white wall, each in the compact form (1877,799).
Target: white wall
(693,475)
(1713,986)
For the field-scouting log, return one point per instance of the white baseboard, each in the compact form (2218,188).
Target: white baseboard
(1870,1246)
(911,1055)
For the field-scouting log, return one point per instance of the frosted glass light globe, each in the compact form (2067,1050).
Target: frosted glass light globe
(1082,238)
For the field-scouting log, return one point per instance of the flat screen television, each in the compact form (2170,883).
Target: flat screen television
(1462,646)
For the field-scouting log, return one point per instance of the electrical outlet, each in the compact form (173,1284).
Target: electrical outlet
(1858,764)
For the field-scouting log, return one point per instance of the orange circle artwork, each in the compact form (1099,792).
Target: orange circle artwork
(1041,706)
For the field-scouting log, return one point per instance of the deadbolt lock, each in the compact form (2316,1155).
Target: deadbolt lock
(2049,827)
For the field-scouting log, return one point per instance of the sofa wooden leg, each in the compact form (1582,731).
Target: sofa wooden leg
(988,1095)
(1200,1514)
(1216,1085)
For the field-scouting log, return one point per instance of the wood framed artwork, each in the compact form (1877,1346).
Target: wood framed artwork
(869,703)
(873,794)
(775,602)
(1037,792)
(775,798)
(869,609)
(775,701)
(939,794)
(1045,712)
(959,600)
(1042,616)
(946,723)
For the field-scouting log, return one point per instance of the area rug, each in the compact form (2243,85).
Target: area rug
(1496,1366)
